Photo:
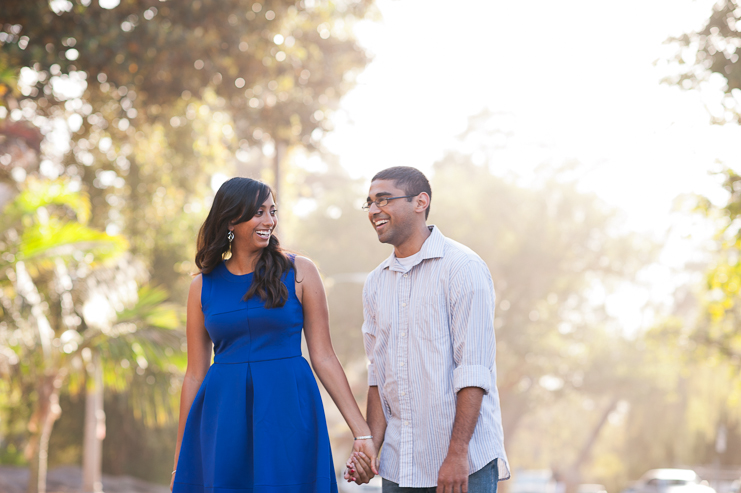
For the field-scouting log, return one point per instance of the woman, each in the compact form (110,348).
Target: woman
(255,421)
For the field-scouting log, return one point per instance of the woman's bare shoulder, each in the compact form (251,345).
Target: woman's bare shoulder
(305,268)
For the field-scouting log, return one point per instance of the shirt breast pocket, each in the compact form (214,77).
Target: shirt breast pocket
(431,318)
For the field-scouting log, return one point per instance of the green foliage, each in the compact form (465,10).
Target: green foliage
(714,335)
(68,239)
(38,193)
(62,276)
(46,222)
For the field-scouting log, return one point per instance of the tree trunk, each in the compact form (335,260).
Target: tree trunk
(516,408)
(280,151)
(40,425)
(94,433)
(572,478)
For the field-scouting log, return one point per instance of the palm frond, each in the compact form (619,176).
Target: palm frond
(65,240)
(152,310)
(42,193)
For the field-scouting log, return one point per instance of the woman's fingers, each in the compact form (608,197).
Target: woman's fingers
(349,470)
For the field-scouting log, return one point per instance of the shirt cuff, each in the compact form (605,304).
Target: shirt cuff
(470,376)
(372,382)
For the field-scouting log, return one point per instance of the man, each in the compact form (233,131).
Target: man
(429,337)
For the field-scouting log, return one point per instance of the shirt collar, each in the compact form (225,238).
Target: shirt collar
(433,247)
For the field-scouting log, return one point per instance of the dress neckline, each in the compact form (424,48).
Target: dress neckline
(229,276)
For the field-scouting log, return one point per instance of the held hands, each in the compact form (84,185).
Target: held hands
(453,475)
(363,463)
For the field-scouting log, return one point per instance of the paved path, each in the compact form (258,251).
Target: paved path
(68,479)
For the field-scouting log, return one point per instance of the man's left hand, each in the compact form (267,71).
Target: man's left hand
(453,475)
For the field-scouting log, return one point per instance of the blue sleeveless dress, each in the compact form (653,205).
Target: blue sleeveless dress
(257,423)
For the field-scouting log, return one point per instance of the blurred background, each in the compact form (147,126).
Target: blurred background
(586,150)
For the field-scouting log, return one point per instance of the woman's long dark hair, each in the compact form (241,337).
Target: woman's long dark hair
(238,200)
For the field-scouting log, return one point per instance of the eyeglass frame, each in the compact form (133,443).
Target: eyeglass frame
(366,206)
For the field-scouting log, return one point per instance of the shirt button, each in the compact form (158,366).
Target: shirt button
(406,423)
(406,275)
(401,364)
(403,304)
(403,393)
(403,334)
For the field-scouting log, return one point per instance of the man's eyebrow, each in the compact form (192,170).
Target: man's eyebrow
(381,194)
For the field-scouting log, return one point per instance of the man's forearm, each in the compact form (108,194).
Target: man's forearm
(467,408)
(375,417)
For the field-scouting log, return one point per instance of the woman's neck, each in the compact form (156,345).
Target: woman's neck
(243,262)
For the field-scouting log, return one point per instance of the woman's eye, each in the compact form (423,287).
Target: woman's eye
(274,212)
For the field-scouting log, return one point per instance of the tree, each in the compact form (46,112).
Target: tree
(278,67)
(57,323)
(161,96)
(712,52)
(714,332)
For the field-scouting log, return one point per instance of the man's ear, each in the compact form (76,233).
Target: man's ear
(423,202)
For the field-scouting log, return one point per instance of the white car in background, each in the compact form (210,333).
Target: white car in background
(591,488)
(671,481)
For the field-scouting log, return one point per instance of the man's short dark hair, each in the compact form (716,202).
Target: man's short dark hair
(409,179)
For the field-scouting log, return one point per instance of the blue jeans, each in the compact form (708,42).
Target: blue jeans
(482,481)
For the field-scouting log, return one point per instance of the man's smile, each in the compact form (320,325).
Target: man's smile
(378,223)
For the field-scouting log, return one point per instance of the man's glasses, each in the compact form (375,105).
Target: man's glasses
(383,202)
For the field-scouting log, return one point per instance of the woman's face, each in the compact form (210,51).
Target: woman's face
(255,233)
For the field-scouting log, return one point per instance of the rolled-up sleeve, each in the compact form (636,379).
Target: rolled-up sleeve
(472,326)
(369,330)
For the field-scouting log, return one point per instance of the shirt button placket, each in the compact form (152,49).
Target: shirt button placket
(403,368)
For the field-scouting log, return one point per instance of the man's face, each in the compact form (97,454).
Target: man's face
(393,222)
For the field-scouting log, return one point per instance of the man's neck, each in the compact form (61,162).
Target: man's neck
(413,243)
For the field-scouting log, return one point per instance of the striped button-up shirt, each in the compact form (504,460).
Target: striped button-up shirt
(428,333)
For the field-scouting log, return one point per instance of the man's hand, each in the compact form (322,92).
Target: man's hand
(360,468)
(363,463)
(366,450)
(453,475)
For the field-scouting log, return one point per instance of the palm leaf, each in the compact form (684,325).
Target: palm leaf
(42,193)
(152,310)
(57,239)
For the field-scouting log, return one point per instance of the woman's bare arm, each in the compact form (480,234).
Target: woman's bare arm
(323,358)
(199,358)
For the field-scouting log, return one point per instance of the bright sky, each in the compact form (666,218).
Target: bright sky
(579,78)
